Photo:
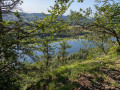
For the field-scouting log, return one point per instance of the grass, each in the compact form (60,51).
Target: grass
(96,73)
(89,67)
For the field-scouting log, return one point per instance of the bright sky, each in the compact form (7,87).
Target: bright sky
(38,6)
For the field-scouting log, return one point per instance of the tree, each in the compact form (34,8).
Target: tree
(51,27)
(105,20)
(15,36)
(6,6)
(100,40)
(79,20)
(66,1)
(80,17)
(8,61)
(62,52)
(47,50)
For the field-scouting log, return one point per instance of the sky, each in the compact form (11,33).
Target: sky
(39,6)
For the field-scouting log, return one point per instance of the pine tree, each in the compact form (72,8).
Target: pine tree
(47,50)
(62,52)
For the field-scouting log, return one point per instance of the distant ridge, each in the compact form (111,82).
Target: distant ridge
(28,16)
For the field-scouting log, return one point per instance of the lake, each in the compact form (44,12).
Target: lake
(75,43)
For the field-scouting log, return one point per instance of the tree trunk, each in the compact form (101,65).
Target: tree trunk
(118,40)
(1,26)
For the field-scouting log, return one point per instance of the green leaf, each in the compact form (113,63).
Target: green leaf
(80,0)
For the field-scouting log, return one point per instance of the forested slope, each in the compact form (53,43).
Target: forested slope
(93,74)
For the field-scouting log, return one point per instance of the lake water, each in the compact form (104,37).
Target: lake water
(75,43)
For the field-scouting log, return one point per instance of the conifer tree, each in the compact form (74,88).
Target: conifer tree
(47,50)
(62,52)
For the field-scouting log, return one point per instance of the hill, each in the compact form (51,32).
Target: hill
(101,73)
(28,16)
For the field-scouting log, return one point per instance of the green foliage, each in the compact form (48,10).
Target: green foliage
(60,78)
(19,38)
(11,42)
(80,18)
(66,1)
(14,44)
(62,52)
(47,50)
(105,22)
(86,66)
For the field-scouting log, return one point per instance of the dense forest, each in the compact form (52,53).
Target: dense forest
(80,51)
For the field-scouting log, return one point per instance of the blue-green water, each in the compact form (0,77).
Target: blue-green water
(75,43)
